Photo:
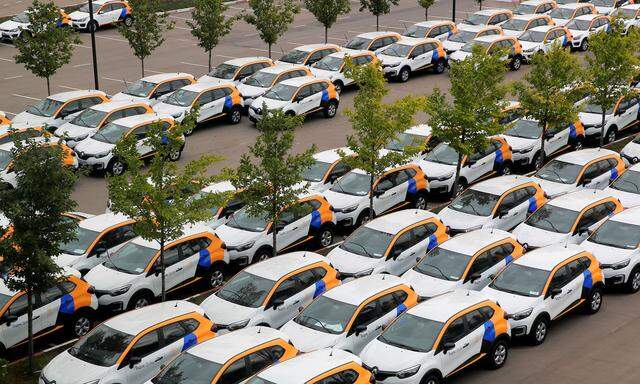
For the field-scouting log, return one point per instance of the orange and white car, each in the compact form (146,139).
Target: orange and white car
(434,29)
(494,43)
(567,12)
(535,7)
(519,24)
(372,41)
(409,55)
(308,54)
(489,17)
(235,70)
(105,12)
(154,88)
(465,33)
(582,27)
(332,67)
(541,39)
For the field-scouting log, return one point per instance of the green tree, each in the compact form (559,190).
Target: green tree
(611,66)
(161,199)
(478,100)
(327,12)
(270,176)
(271,18)
(375,124)
(146,32)
(547,92)
(44,47)
(34,208)
(426,4)
(377,8)
(209,24)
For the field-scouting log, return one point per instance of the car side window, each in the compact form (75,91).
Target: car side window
(338,170)
(173,332)
(18,307)
(455,331)
(421,232)
(417,51)
(235,373)
(509,202)
(385,183)
(146,345)
(205,98)
(318,87)
(289,287)
(261,359)
(378,43)
(118,236)
(475,319)
(344,377)
(316,56)
(163,89)
(387,303)
(592,172)
(481,263)
(304,92)
(561,278)
(140,132)
(246,71)
(367,315)
(401,244)
(435,32)
(308,278)
(487,312)
(190,325)
(49,296)
(218,94)
(171,256)
(72,107)
(399,177)
(67,287)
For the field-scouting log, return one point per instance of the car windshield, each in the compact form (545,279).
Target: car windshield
(330,63)
(353,183)
(579,25)
(565,2)
(397,50)
(415,31)
(368,242)
(559,172)
(475,203)
(316,171)
(5,159)
(246,289)
(326,315)
(533,36)
(443,264)
(521,280)
(45,107)
(281,92)
(85,8)
(627,182)
(295,57)
(224,71)
(469,46)
(259,380)
(102,346)
(412,332)
(80,244)
(140,88)
(89,118)
(624,13)
(443,153)
(603,3)
(4,299)
(405,140)
(188,369)
(476,19)
(524,9)
(22,17)
(21,135)
(562,13)
(182,98)
(526,129)
(358,43)
(261,79)
(462,36)
(242,219)
(110,133)
(515,25)
(553,219)
(132,259)
(617,234)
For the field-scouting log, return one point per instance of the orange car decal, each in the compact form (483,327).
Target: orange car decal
(76,299)
(211,254)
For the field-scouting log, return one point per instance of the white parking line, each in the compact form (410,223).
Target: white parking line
(194,64)
(70,88)
(3,59)
(259,50)
(112,38)
(183,28)
(227,57)
(12,77)
(112,79)
(251,34)
(299,26)
(25,97)
(81,65)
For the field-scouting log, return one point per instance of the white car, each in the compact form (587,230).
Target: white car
(535,7)
(214,101)
(519,24)
(524,139)
(223,212)
(629,14)
(130,278)
(465,33)
(308,54)
(438,338)
(623,115)
(399,60)
(541,39)
(467,261)
(616,245)
(492,43)
(351,315)
(152,89)
(327,167)
(298,97)
(606,7)
(216,361)
(235,70)
(105,12)
(545,284)
(131,347)
(57,109)
(96,238)
(93,119)
(567,12)
(260,82)
(567,219)
(399,187)
(592,168)
(627,187)
(372,41)
(249,237)
(97,152)
(14,27)
(271,292)
(416,137)
(494,16)
(500,202)
(435,29)
(332,67)
(582,27)
(440,165)
(388,244)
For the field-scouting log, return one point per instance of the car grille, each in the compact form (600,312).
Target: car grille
(380,375)
(629,158)
(100,293)
(45,380)
(83,155)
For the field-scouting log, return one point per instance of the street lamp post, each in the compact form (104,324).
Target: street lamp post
(453,11)
(93,45)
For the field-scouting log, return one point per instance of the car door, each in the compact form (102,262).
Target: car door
(287,298)
(173,268)
(46,309)
(555,139)
(456,336)
(143,147)
(420,56)
(317,91)
(15,331)
(303,102)
(481,163)
(294,224)
(104,15)
(388,309)
(627,112)
(149,349)
(390,191)
(513,209)
(568,290)
(208,104)
(189,254)
(364,327)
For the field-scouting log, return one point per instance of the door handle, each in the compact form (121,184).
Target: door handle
(412,254)
(36,317)
(158,359)
(465,346)
(179,269)
(394,193)
(294,228)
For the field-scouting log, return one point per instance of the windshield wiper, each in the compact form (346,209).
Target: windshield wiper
(362,247)
(236,294)
(552,225)
(632,183)
(320,323)
(560,179)
(439,271)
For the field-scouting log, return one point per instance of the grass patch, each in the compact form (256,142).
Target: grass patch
(17,372)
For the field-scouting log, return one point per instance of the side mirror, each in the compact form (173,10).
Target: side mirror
(9,319)
(446,347)
(277,303)
(586,181)
(555,292)
(549,135)
(156,270)
(474,277)
(470,162)
(417,259)
(99,250)
(395,253)
(378,192)
(279,227)
(582,230)
(359,329)
(502,213)
(298,99)
(134,360)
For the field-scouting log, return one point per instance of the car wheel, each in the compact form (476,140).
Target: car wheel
(539,331)
(175,154)
(578,144)
(537,161)
(594,302)
(584,46)
(612,134)
(92,26)
(516,63)
(633,284)
(459,188)
(128,21)
(431,378)
(441,65)
(420,201)
(505,169)
(189,131)
(498,354)
(331,109)
(235,115)
(404,75)
(325,237)
(117,167)
(262,255)
(80,324)
(215,277)
(339,86)
(140,300)
(363,218)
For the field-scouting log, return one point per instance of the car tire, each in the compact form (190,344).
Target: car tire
(460,187)
(235,115)
(633,283)
(189,131)
(92,26)
(594,301)
(290,113)
(505,169)
(116,167)
(420,201)
(578,144)
(440,66)
(140,300)
(175,154)
(325,236)
(330,110)
(215,276)
(3,351)
(128,21)
(539,330)
(611,136)
(404,75)
(431,378)
(363,218)
(79,324)
(262,254)
(584,46)
(498,354)
(516,63)
(537,161)
(339,87)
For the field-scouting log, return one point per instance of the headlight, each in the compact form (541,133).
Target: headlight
(408,372)
(521,315)
(524,150)
(363,273)
(101,155)
(238,325)
(618,265)
(241,248)
(177,115)
(470,229)
(120,291)
(441,177)
(347,209)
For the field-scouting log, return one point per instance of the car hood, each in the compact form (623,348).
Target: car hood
(307,339)
(121,96)
(386,357)
(58,370)
(460,220)
(347,262)
(67,260)
(428,286)
(169,109)
(433,169)
(588,118)
(451,45)
(27,120)
(92,147)
(518,143)
(322,73)
(554,189)
(508,301)
(627,199)
(250,90)
(510,32)
(105,279)
(77,15)
(235,236)
(536,237)
(271,103)
(10,25)
(578,34)
(224,312)
(342,200)
(560,22)
(389,60)
(607,254)
(631,149)
(459,55)
(73,131)
(530,45)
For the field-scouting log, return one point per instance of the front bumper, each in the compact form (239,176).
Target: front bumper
(79,24)
(97,164)
(9,35)
(391,71)
(620,276)
(440,186)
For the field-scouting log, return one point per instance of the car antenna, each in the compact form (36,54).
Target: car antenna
(125,83)
(331,352)
(346,38)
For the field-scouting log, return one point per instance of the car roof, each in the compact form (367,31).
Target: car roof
(133,121)
(501,184)
(299,81)
(71,95)
(101,222)
(187,230)
(415,41)
(304,367)
(535,2)
(471,242)
(585,156)
(589,16)
(136,321)
(420,130)
(631,6)
(433,23)
(160,77)
(442,307)
(491,38)
(279,68)
(350,52)
(246,60)
(222,348)
(543,28)
(313,47)
(331,155)
(546,258)
(629,216)
(221,186)
(489,12)
(471,27)
(373,35)
(529,16)
(205,86)
(397,221)
(110,106)
(578,200)
(276,267)
(356,291)
(573,5)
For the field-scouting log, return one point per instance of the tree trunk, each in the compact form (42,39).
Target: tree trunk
(542,138)
(456,180)
(269,50)
(372,213)
(480,3)
(48,87)
(274,242)
(30,329)
(210,61)
(326,34)
(377,22)
(142,62)
(602,130)
(163,296)
(426,13)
